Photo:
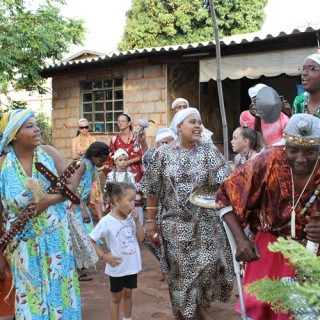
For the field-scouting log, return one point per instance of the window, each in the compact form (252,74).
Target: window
(102,103)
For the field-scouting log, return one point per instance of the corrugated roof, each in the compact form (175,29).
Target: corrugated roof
(224,42)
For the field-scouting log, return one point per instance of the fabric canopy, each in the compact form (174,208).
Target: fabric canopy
(255,65)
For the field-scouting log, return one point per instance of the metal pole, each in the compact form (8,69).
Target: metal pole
(219,82)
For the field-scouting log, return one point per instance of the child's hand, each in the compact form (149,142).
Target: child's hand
(114,261)
(135,215)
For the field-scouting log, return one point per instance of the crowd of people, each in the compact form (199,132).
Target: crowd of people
(269,190)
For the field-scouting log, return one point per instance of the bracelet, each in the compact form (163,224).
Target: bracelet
(150,220)
(151,208)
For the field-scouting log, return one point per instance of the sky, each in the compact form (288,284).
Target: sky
(105,19)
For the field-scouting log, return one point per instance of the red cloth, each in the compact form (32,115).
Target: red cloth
(272,132)
(6,307)
(270,264)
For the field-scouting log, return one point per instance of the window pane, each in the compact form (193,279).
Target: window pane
(118,105)
(87,107)
(109,106)
(98,95)
(116,116)
(107,83)
(87,85)
(88,116)
(109,127)
(102,103)
(87,97)
(98,127)
(98,106)
(115,128)
(109,116)
(118,82)
(99,117)
(97,84)
(109,95)
(118,94)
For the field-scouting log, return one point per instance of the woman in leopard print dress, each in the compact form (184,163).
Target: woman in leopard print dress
(193,241)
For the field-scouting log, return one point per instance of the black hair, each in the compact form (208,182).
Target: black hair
(97,149)
(117,189)
(128,118)
(256,141)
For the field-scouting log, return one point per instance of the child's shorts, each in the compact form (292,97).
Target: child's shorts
(118,283)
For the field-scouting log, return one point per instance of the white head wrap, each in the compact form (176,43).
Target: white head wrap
(179,100)
(253,91)
(315,57)
(303,129)
(83,122)
(180,116)
(163,133)
(118,153)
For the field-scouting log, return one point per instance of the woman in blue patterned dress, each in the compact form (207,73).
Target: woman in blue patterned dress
(93,159)
(42,261)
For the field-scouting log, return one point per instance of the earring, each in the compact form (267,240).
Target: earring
(284,148)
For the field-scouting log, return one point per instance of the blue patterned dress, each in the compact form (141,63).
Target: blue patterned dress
(43,264)
(84,189)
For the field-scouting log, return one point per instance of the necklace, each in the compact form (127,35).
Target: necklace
(128,141)
(126,176)
(309,109)
(294,204)
(116,216)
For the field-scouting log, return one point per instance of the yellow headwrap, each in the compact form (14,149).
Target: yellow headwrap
(11,123)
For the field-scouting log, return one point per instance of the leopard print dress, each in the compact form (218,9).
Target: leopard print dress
(194,245)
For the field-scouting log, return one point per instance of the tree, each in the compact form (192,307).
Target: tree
(31,35)
(153,23)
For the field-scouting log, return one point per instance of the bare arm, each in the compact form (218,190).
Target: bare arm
(106,257)
(246,249)
(152,209)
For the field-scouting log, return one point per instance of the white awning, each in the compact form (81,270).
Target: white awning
(254,65)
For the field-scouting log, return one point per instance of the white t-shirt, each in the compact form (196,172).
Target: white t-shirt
(121,177)
(121,239)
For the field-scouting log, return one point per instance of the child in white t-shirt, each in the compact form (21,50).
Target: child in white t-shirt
(121,230)
(121,174)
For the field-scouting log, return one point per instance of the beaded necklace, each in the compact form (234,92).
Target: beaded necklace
(313,111)
(126,176)
(294,204)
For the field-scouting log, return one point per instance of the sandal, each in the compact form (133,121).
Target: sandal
(84,277)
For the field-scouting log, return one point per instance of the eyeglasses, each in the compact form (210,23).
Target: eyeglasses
(309,68)
(86,127)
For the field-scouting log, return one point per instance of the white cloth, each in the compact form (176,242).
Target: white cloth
(253,91)
(163,133)
(179,100)
(121,240)
(180,116)
(120,177)
(120,152)
(315,57)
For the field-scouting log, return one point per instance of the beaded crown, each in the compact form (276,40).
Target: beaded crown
(303,129)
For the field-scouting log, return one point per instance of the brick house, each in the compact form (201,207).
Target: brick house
(143,83)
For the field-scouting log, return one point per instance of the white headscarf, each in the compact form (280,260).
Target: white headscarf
(83,122)
(118,153)
(163,133)
(179,100)
(180,116)
(315,57)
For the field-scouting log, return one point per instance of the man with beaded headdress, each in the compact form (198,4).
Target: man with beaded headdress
(274,196)
(309,101)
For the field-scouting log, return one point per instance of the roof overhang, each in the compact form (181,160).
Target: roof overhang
(255,65)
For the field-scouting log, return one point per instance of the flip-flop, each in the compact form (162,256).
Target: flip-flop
(84,277)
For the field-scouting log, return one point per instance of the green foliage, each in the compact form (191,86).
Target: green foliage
(44,124)
(301,297)
(30,36)
(153,23)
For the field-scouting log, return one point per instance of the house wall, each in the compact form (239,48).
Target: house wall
(145,97)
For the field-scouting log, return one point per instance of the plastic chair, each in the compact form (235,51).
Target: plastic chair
(236,265)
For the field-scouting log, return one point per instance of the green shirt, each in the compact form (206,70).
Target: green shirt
(300,105)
